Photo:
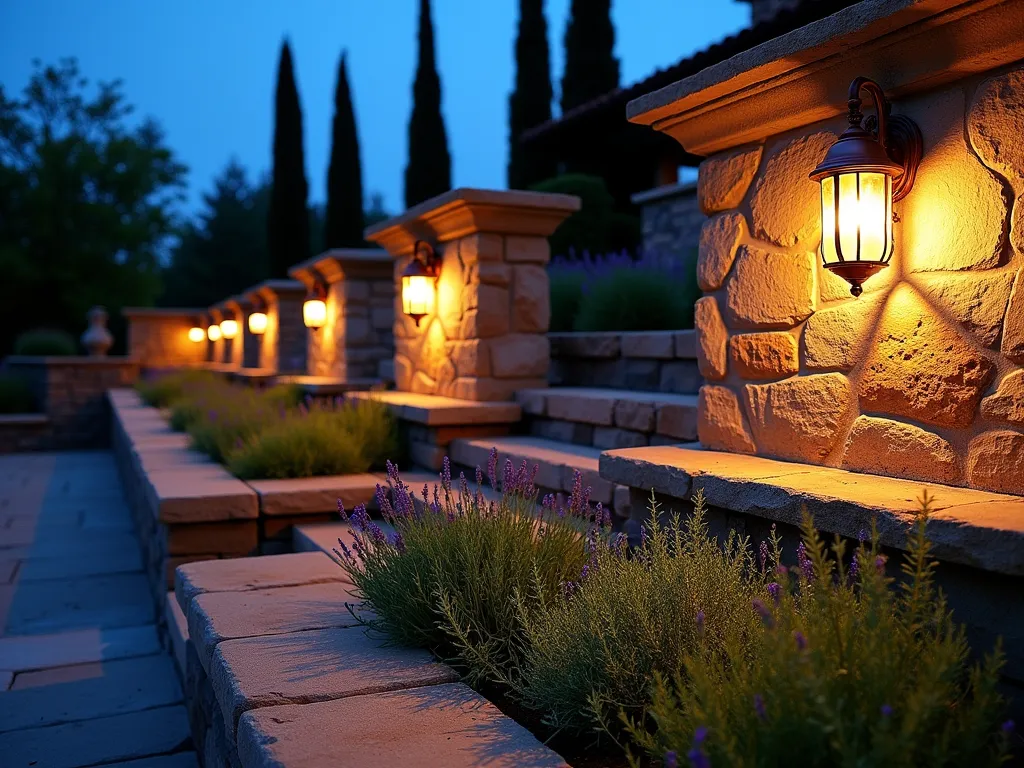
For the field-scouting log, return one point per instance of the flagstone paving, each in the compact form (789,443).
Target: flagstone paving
(84,680)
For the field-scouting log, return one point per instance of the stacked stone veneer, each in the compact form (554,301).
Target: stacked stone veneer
(652,361)
(920,377)
(670,221)
(357,337)
(158,338)
(282,347)
(488,334)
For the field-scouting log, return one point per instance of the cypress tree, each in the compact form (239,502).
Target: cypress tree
(590,68)
(530,102)
(429,170)
(287,217)
(343,226)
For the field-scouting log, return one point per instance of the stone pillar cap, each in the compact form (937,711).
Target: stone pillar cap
(799,78)
(339,263)
(466,211)
(268,289)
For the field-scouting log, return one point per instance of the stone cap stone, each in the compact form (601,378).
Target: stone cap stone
(804,76)
(679,189)
(270,289)
(191,313)
(341,263)
(437,411)
(464,211)
(977,528)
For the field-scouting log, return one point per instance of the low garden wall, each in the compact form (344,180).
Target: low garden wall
(652,361)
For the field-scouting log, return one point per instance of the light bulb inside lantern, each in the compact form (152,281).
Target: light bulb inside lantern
(229,328)
(213,333)
(257,323)
(196,334)
(314,313)
(418,296)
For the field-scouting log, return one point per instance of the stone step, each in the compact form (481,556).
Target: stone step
(609,418)
(556,461)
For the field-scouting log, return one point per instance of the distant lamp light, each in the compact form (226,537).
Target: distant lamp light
(229,328)
(314,309)
(419,281)
(868,168)
(196,334)
(213,333)
(257,323)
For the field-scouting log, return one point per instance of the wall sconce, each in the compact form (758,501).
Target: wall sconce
(258,318)
(419,281)
(213,333)
(314,308)
(196,334)
(229,328)
(871,166)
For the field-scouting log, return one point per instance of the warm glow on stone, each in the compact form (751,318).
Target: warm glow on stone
(196,334)
(314,313)
(417,295)
(229,328)
(213,333)
(257,323)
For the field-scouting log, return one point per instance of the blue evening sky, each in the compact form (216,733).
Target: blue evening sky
(205,69)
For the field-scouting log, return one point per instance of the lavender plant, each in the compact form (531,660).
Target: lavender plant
(850,670)
(163,389)
(592,650)
(447,577)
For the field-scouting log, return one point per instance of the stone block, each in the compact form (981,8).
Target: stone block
(711,339)
(519,356)
(786,204)
(686,344)
(534,250)
(677,420)
(488,390)
(770,290)
(721,424)
(313,495)
(254,672)
(592,408)
(800,418)
(491,273)
(563,431)
(719,238)
(481,247)
(533,401)
(1007,404)
(442,725)
(383,318)
(659,345)
(682,376)
(586,344)
(199,494)
(763,355)
(994,125)
(1013,329)
(725,177)
(425,454)
(490,317)
(531,299)
(638,374)
(978,300)
(920,368)
(620,501)
(231,537)
(995,462)
(607,438)
(837,338)
(634,414)
(884,447)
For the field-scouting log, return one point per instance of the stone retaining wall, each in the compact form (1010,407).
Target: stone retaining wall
(652,361)
(158,338)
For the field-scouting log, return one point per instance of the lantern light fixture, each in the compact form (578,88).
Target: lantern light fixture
(213,332)
(314,308)
(229,328)
(869,167)
(258,318)
(419,281)
(196,334)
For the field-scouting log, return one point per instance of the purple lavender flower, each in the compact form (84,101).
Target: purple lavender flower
(599,514)
(671,760)
(576,503)
(492,468)
(479,476)
(508,477)
(775,591)
(586,572)
(446,475)
(398,542)
(854,568)
(360,520)
(700,622)
(548,502)
(437,502)
(806,566)
(376,533)
(532,479)
(392,473)
(759,709)
(862,535)
(345,553)
(762,610)
(384,504)
(696,755)
(426,490)
(764,554)
(886,710)
(463,486)
(801,641)
(341,510)
(1008,727)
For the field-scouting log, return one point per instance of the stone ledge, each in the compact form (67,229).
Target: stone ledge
(313,495)
(327,386)
(437,411)
(975,528)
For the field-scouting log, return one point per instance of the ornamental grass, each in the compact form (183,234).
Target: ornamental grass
(851,669)
(460,570)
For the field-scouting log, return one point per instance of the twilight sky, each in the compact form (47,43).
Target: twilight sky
(205,69)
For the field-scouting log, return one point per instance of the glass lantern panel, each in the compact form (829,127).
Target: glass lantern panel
(257,323)
(314,313)
(828,221)
(418,295)
(871,209)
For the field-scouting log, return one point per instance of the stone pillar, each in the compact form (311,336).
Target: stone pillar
(216,356)
(487,337)
(158,338)
(283,346)
(233,347)
(360,296)
(250,341)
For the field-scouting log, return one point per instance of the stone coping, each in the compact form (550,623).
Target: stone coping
(436,411)
(803,76)
(24,420)
(668,190)
(662,345)
(312,495)
(254,374)
(289,672)
(268,289)
(463,211)
(341,263)
(975,528)
(190,312)
(327,385)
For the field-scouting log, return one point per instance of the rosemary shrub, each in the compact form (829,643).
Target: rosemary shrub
(447,577)
(851,670)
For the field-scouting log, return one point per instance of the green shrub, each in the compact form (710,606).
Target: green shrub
(322,440)
(46,343)
(638,298)
(459,571)
(163,389)
(592,654)
(589,229)
(850,672)
(15,395)
(566,287)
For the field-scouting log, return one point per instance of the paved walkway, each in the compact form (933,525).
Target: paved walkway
(83,679)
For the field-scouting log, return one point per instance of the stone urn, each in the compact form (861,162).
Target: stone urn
(97,338)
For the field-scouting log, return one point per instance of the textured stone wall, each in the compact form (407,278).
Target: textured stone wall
(283,345)
(918,378)
(671,221)
(161,340)
(488,336)
(358,332)
(651,361)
